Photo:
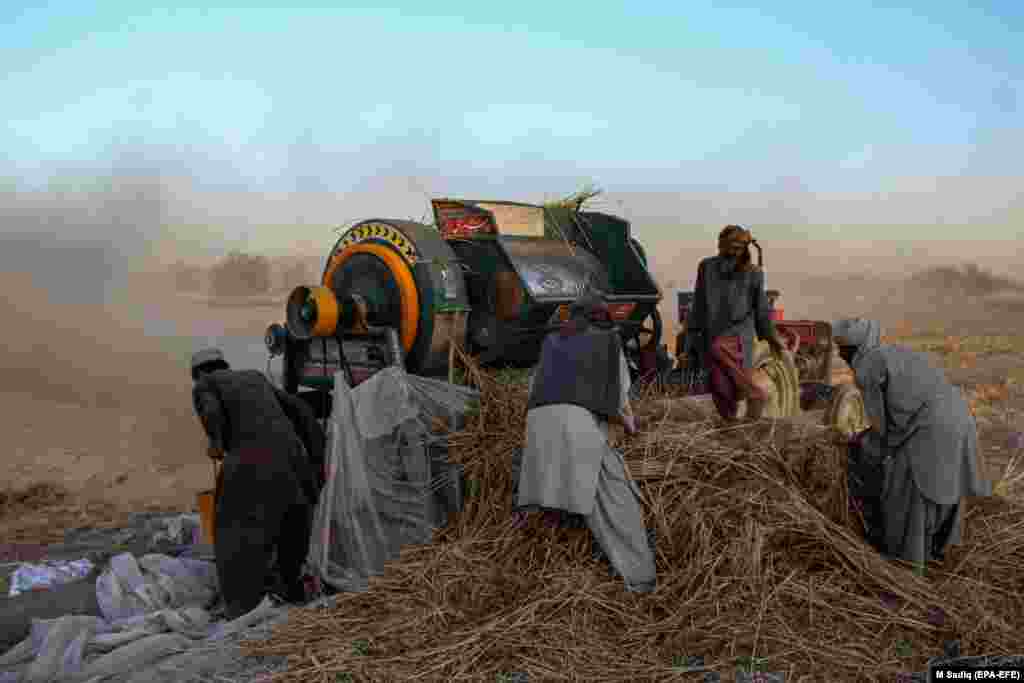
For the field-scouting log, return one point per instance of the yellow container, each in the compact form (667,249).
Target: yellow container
(207,515)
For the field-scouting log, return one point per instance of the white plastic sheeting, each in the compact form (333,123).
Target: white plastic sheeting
(152,608)
(30,577)
(180,530)
(382,482)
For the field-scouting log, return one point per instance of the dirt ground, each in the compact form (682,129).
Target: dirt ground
(97,399)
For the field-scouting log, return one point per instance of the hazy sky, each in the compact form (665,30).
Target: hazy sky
(806,99)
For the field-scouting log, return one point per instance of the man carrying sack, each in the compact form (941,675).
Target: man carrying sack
(580,385)
(272,450)
(730,310)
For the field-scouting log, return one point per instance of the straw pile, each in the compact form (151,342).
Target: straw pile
(759,556)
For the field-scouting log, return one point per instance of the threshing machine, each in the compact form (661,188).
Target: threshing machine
(493,277)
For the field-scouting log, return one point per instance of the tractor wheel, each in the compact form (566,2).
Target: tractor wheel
(649,332)
(643,337)
(782,379)
(845,412)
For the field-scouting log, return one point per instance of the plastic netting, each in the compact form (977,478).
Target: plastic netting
(388,481)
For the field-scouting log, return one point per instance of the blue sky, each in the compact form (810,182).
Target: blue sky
(644,94)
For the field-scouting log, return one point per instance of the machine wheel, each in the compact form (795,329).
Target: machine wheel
(376,271)
(846,410)
(413,282)
(639,250)
(782,379)
(648,333)
(640,338)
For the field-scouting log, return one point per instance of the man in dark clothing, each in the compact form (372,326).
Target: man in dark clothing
(730,309)
(273,453)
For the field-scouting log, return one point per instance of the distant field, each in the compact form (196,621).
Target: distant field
(276,300)
(952,345)
(979,358)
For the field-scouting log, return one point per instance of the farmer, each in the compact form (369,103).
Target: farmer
(911,469)
(730,308)
(272,449)
(580,385)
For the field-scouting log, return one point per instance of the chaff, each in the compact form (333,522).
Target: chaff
(759,555)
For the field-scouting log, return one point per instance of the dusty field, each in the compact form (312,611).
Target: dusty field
(97,399)
(98,423)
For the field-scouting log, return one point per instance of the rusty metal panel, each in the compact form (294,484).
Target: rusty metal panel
(516,219)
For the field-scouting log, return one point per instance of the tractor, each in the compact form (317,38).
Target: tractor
(492,277)
(815,377)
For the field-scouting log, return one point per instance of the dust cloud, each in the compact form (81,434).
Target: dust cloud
(95,388)
(67,261)
(91,391)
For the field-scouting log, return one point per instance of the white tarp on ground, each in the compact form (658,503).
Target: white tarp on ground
(385,489)
(383,485)
(29,577)
(152,607)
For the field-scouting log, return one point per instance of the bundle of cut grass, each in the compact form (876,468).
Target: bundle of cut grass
(577,199)
(758,556)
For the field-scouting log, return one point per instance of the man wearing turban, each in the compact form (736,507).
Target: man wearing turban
(730,310)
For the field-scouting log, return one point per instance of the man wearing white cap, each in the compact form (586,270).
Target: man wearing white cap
(273,453)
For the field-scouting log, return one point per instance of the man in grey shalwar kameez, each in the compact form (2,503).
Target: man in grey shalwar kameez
(917,462)
(581,383)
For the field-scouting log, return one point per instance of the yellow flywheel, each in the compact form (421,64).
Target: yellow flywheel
(400,275)
(312,312)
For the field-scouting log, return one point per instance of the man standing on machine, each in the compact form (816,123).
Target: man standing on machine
(730,309)
(273,450)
